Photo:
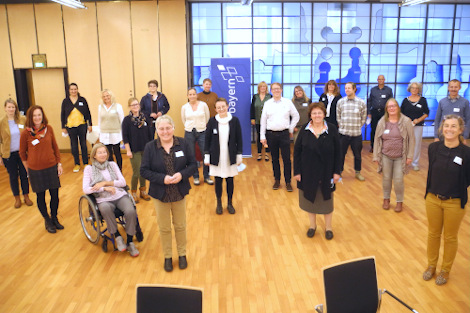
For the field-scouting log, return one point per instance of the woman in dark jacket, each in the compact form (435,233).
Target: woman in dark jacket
(154,103)
(330,98)
(223,151)
(317,167)
(446,195)
(168,163)
(257,104)
(76,120)
(136,132)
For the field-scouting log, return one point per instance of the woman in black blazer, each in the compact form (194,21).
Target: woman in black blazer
(223,151)
(317,166)
(168,163)
(329,98)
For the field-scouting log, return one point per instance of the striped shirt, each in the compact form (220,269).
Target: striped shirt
(351,115)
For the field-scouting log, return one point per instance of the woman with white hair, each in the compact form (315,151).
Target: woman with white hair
(110,116)
(416,108)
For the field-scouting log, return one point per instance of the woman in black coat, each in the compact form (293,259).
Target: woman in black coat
(223,151)
(317,166)
(329,98)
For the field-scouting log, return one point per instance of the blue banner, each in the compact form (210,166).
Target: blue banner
(231,80)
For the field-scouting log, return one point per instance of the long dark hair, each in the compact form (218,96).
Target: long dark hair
(68,92)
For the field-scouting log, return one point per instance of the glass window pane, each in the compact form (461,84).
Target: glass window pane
(237,51)
(297,54)
(202,54)
(326,65)
(206,23)
(237,35)
(297,22)
(384,27)
(356,22)
(462,24)
(296,74)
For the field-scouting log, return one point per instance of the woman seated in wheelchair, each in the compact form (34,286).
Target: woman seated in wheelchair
(104,180)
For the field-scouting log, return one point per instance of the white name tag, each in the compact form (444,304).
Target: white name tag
(387,131)
(179,154)
(214,131)
(145,123)
(323,99)
(35,142)
(112,111)
(458,160)
(418,105)
(80,103)
(383,96)
(457,110)
(20,126)
(305,104)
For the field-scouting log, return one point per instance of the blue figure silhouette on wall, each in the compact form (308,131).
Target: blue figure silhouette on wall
(354,72)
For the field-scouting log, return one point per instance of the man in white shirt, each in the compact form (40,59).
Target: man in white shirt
(278,120)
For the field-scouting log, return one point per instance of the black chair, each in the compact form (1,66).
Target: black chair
(168,299)
(351,287)
(92,221)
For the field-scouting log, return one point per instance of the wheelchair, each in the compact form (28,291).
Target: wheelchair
(93,223)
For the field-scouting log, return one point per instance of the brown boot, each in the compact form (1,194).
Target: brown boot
(134,196)
(143,194)
(17,202)
(399,207)
(27,201)
(386,204)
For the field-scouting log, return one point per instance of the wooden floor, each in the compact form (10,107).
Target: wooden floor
(258,260)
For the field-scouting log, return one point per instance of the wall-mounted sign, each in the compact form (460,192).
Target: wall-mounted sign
(39,61)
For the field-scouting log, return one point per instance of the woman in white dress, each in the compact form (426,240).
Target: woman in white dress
(223,151)
(110,116)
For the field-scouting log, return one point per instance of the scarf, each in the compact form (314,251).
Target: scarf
(138,121)
(97,177)
(37,132)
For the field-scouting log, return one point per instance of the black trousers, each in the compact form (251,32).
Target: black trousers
(280,140)
(356,146)
(116,150)
(16,169)
(376,115)
(78,134)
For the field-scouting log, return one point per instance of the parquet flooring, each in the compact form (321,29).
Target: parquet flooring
(258,260)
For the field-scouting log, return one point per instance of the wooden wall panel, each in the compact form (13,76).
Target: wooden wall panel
(114,33)
(48,87)
(146,54)
(7,82)
(50,33)
(172,24)
(83,63)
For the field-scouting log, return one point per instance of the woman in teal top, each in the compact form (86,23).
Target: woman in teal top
(257,104)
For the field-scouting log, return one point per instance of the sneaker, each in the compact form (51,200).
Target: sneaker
(132,249)
(196,181)
(208,181)
(416,168)
(121,246)
(76,168)
(359,176)
(289,187)
(276,185)
(429,273)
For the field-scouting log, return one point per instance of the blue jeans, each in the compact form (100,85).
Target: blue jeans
(199,137)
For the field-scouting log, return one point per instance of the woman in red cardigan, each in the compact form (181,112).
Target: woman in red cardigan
(41,158)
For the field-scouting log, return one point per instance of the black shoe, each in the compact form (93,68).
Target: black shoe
(50,227)
(183,263)
(230,208)
(276,185)
(311,232)
(219,209)
(56,223)
(289,187)
(168,266)
(329,234)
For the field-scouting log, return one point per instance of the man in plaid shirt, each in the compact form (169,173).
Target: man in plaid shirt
(351,113)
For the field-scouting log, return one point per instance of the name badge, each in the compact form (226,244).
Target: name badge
(458,160)
(145,123)
(80,104)
(35,142)
(179,154)
(457,110)
(112,111)
(305,104)
(383,96)
(418,105)
(20,126)
(387,131)
(323,99)
(214,131)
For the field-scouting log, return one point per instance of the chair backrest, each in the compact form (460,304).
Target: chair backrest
(351,287)
(168,299)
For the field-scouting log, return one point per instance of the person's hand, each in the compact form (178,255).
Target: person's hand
(369,115)
(415,121)
(291,135)
(110,189)
(129,154)
(408,161)
(264,143)
(297,177)
(436,139)
(253,122)
(99,185)
(153,115)
(90,129)
(159,114)
(336,178)
(1,161)
(177,178)
(239,159)
(296,129)
(64,131)
(167,180)
(60,170)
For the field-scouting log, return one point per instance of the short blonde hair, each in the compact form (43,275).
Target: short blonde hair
(113,99)
(132,99)
(95,149)
(263,83)
(419,85)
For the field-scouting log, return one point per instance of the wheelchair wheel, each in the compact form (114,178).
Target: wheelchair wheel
(89,219)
